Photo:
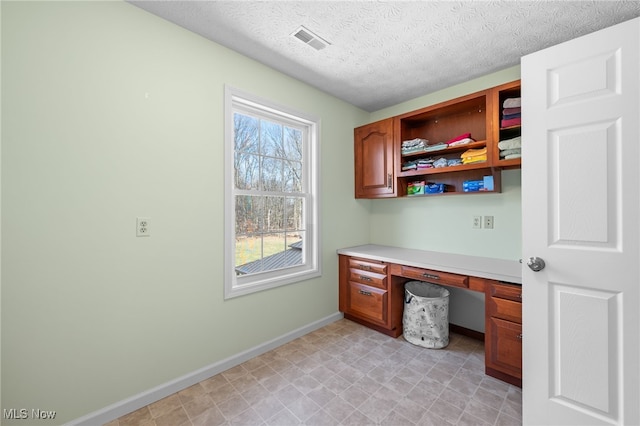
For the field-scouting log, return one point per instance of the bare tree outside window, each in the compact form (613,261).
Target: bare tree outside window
(269,220)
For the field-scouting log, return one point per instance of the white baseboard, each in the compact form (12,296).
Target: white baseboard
(150,396)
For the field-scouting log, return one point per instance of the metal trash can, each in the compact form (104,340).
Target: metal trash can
(425,319)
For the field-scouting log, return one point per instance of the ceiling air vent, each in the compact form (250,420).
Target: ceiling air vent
(307,37)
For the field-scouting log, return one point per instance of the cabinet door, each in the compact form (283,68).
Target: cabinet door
(505,347)
(374,161)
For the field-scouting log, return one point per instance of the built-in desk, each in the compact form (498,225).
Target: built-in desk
(371,286)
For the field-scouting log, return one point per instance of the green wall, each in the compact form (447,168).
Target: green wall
(109,113)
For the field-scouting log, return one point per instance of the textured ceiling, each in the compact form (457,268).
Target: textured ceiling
(384,53)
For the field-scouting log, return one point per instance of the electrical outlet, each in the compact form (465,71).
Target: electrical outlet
(142,227)
(488,222)
(477,222)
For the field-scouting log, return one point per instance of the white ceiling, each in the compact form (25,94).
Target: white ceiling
(386,52)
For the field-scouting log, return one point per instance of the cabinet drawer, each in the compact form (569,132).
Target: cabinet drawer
(367,265)
(436,277)
(368,278)
(505,309)
(368,302)
(505,291)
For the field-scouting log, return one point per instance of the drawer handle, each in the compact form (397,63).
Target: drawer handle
(519,336)
(363,278)
(431,276)
(364,293)
(365,267)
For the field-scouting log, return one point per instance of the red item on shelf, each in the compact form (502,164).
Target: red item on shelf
(511,122)
(457,138)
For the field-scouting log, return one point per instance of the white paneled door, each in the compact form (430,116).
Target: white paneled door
(581,217)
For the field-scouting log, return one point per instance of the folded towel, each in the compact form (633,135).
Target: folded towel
(511,103)
(474,153)
(440,162)
(508,111)
(436,147)
(414,142)
(511,122)
(509,157)
(510,143)
(425,163)
(504,153)
(413,145)
(461,142)
(510,116)
(409,166)
(477,159)
(457,138)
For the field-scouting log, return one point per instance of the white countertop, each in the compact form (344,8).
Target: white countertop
(476,266)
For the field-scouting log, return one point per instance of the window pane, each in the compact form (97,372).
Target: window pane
(274,244)
(274,214)
(294,213)
(245,133)
(248,250)
(272,174)
(249,212)
(295,247)
(271,139)
(293,143)
(280,250)
(246,171)
(292,176)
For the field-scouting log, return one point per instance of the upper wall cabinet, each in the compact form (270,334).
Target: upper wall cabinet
(374,160)
(453,147)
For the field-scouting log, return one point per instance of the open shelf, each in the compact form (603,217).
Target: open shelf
(452,179)
(439,170)
(505,91)
(444,151)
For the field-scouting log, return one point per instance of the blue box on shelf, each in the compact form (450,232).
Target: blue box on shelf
(488,183)
(472,185)
(434,188)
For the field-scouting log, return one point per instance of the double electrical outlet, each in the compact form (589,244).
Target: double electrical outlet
(480,222)
(142,227)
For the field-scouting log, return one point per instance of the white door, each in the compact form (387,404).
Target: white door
(581,214)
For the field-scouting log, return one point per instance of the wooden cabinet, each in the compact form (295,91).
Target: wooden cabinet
(384,169)
(503,331)
(374,160)
(366,295)
(372,293)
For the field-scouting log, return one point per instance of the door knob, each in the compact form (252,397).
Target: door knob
(536,264)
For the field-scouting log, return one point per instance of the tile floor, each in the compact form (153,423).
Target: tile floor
(345,374)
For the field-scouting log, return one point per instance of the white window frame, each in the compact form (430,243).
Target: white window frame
(234,286)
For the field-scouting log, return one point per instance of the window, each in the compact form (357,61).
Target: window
(271,197)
